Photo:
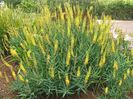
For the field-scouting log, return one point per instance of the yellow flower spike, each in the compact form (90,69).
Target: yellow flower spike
(113,46)
(47,38)
(42,49)
(95,37)
(25,30)
(77,21)
(68,57)
(26,81)
(1,75)
(115,66)
(61,14)
(21,78)
(120,82)
(103,41)
(91,26)
(102,49)
(48,59)
(86,59)
(84,25)
(29,53)
(55,46)
(46,14)
(125,76)
(41,45)
(87,75)
(69,30)
(72,45)
(78,72)
(70,12)
(114,74)
(22,45)
(132,52)
(100,37)
(72,53)
(33,40)
(22,68)
(35,29)
(128,72)
(6,63)
(51,72)
(13,52)
(102,61)
(72,41)
(13,74)
(104,58)
(67,81)
(68,27)
(6,77)
(106,90)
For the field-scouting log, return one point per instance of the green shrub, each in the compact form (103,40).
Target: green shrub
(4,24)
(32,5)
(8,19)
(36,5)
(12,3)
(118,9)
(121,9)
(67,52)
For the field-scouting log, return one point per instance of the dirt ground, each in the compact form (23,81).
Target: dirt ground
(5,91)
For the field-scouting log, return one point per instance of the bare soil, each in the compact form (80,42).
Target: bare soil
(5,91)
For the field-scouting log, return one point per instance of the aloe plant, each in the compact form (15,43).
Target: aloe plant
(66,51)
